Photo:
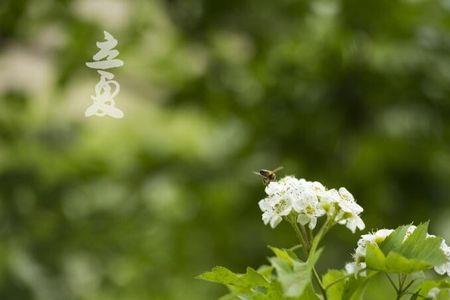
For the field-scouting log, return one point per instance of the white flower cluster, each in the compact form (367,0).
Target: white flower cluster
(308,201)
(360,253)
(445,267)
(377,238)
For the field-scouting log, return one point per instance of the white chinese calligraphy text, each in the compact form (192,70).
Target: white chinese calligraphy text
(106,89)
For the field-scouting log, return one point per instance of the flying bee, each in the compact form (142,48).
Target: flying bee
(268,175)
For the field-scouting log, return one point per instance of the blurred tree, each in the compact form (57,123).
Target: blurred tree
(352,93)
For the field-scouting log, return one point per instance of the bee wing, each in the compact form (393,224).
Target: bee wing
(278,169)
(257,173)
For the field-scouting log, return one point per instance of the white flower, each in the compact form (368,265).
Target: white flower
(433,293)
(283,186)
(445,267)
(306,203)
(353,222)
(360,252)
(375,238)
(350,210)
(328,200)
(279,200)
(274,208)
(354,268)
(382,234)
(348,203)
(318,187)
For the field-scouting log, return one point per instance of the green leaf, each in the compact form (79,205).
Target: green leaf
(314,258)
(237,283)
(293,275)
(254,278)
(282,253)
(420,247)
(309,294)
(355,288)
(265,271)
(349,288)
(335,291)
(229,297)
(399,255)
(397,263)
(274,291)
(394,240)
(293,279)
(415,296)
(220,275)
(375,259)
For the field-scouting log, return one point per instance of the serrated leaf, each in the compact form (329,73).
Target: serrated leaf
(355,288)
(294,276)
(220,275)
(309,294)
(420,247)
(237,283)
(375,258)
(274,291)
(293,279)
(265,271)
(397,263)
(417,252)
(394,240)
(254,279)
(418,235)
(335,291)
(281,253)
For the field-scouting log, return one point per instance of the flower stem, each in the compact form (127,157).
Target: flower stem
(320,284)
(310,234)
(314,244)
(305,236)
(300,237)
(322,231)
(311,246)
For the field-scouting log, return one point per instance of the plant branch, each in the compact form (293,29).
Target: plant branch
(310,234)
(322,231)
(342,278)
(293,248)
(305,236)
(402,290)
(320,284)
(300,237)
(392,282)
(409,285)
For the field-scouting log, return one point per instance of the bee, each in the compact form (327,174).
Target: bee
(268,175)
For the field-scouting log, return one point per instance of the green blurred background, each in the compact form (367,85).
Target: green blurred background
(351,93)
